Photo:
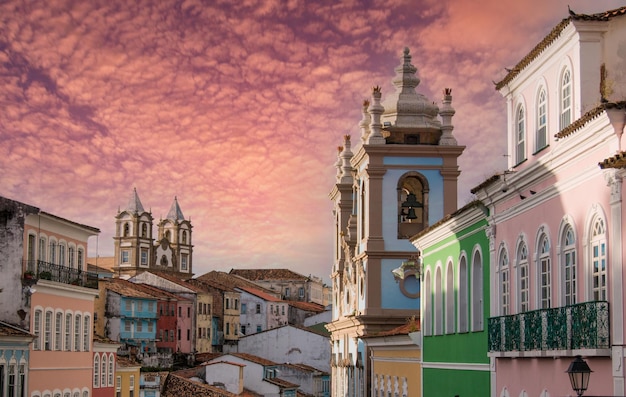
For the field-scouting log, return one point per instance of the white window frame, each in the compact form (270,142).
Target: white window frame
(544,262)
(520,134)
(505,282)
(565,106)
(524,277)
(541,139)
(569,266)
(450,315)
(599,260)
(463,297)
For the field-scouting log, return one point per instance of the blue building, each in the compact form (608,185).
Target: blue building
(14,346)
(131,316)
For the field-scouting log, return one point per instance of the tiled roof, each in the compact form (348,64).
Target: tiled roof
(127,363)
(260,294)
(580,123)
(7,329)
(175,278)
(281,383)
(404,329)
(253,358)
(552,36)
(233,280)
(177,386)
(307,368)
(203,357)
(268,274)
(158,292)
(125,288)
(616,161)
(205,283)
(487,182)
(308,306)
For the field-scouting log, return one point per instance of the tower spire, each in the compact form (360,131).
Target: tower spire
(134,204)
(175,212)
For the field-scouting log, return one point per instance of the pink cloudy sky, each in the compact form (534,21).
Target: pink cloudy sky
(237,107)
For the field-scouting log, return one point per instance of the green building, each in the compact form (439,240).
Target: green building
(455,304)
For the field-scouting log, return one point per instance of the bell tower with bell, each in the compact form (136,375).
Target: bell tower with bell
(401,179)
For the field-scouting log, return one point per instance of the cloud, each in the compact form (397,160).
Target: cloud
(236,108)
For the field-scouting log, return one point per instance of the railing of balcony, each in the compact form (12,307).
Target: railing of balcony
(41,270)
(580,326)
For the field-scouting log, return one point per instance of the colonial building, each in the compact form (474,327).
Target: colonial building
(401,179)
(52,297)
(556,214)
(455,303)
(137,250)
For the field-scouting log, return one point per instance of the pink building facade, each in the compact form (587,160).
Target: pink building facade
(60,295)
(556,215)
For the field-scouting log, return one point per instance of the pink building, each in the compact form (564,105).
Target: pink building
(104,367)
(52,297)
(557,214)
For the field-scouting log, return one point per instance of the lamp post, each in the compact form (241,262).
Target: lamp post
(579,373)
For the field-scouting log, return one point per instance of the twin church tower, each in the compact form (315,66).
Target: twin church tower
(138,250)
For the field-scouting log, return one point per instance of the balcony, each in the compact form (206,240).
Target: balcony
(40,270)
(583,327)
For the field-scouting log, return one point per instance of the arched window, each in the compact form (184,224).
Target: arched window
(477,292)
(505,283)
(58,329)
(566,99)
(545,272)
(542,120)
(184,237)
(168,235)
(463,298)
(77,333)
(520,135)
(126,229)
(598,260)
(144,230)
(68,332)
(428,301)
(412,204)
(438,312)
(71,254)
(111,369)
(103,370)
(86,333)
(522,266)
(37,329)
(80,258)
(96,371)
(449,299)
(47,341)
(568,266)
(53,252)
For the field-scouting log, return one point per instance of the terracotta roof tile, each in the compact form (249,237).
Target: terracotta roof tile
(258,293)
(578,124)
(233,280)
(616,161)
(7,329)
(268,274)
(281,383)
(176,386)
(254,359)
(552,36)
(125,288)
(308,306)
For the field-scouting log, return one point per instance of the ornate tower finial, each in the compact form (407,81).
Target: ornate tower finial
(446,113)
(375,110)
(346,156)
(364,124)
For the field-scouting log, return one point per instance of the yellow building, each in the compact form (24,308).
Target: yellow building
(396,359)
(127,377)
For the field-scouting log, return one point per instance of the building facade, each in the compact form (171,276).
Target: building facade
(557,215)
(137,250)
(455,303)
(401,179)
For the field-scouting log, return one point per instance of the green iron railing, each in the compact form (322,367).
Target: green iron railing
(579,326)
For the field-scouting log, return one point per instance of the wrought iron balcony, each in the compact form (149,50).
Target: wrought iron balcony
(40,270)
(575,327)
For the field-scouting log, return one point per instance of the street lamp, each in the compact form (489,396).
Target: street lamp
(579,372)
